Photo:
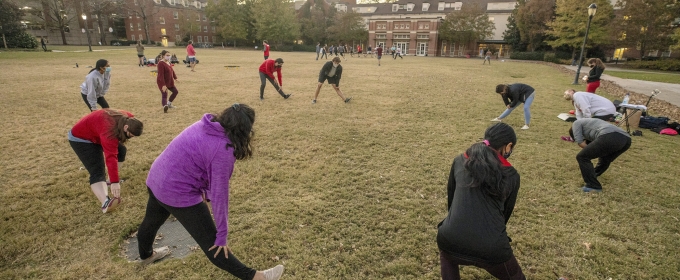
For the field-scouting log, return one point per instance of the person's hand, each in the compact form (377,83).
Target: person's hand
(164,89)
(115,190)
(585,78)
(508,106)
(582,144)
(224,248)
(176,81)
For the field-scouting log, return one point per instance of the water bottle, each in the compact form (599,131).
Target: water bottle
(626,99)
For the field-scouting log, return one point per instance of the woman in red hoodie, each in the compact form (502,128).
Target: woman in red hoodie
(166,80)
(104,131)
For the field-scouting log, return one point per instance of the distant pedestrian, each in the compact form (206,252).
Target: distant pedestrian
(166,79)
(265,48)
(379,52)
(43,44)
(96,85)
(393,50)
(194,169)
(341,50)
(335,50)
(324,51)
(369,51)
(512,96)
(318,50)
(331,71)
(267,70)
(359,51)
(191,53)
(104,131)
(593,77)
(140,53)
(398,53)
(487,58)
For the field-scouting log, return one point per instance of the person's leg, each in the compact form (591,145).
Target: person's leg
(193,63)
(618,144)
(102,102)
(164,97)
(91,155)
(278,89)
(339,92)
(506,112)
(201,226)
(153,220)
(509,270)
(263,81)
(595,149)
(592,86)
(527,108)
(173,95)
(450,269)
(87,103)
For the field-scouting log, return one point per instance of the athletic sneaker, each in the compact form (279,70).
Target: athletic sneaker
(314,101)
(287,95)
(157,255)
(165,109)
(496,120)
(170,106)
(347,100)
(525,127)
(587,189)
(273,273)
(110,204)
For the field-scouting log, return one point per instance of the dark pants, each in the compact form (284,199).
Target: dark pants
(164,95)
(263,79)
(91,155)
(200,225)
(606,149)
(324,54)
(265,57)
(508,270)
(100,100)
(399,55)
(44,47)
(607,118)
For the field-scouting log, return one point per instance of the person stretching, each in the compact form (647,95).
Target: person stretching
(589,105)
(482,191)
(166,80)
(331,71)
(267,70)
(194,169)
(593,77)
(512,96)
(96,84)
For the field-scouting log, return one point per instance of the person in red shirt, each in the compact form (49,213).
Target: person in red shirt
(106,131)
(379,51)
(166,79)
(266,49)
(267,70)
(191,53)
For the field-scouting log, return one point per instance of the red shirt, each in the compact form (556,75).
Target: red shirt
(379,51)
(166,76)
(190,50)
(95,127)
(266,49)
(268,68)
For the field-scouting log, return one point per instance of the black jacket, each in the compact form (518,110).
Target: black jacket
(517,93)
(327,69)
(474,228)
(594,74)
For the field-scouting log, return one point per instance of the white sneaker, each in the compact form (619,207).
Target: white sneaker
(157,255)
(170,106)
(273,273)
(525,127)
(496,120)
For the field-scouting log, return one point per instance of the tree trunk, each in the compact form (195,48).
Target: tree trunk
(63,35)
(102,36)
(3,40)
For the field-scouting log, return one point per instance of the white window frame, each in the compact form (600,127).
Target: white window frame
(205,18)
(132,26)
(161,20)
(176,26)
(426,6)
(395,7)
(178,38)
(139,26)
(133,37)
(212,28)
(205,28)
(409,7)
(200,39)
(175,15)
(205,39)
(141,38)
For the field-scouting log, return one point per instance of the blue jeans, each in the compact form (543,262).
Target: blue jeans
(527,112)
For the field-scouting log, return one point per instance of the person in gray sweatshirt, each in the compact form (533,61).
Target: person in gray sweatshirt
(598,140)
(590,105)
(96,85)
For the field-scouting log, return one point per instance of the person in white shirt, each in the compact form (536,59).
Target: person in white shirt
(590,105)
(398,53)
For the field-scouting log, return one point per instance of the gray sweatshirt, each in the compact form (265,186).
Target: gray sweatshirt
(591,129)
(95,86)
(589,104)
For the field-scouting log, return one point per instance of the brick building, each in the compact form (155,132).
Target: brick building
(169,20)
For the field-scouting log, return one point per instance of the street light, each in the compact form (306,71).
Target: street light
(592,9)
(89,45)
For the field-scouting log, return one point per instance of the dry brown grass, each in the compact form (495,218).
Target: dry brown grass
(335,191)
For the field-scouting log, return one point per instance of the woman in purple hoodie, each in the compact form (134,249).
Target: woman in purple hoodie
(197,164)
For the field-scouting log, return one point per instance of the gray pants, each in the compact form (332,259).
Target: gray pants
(263,79)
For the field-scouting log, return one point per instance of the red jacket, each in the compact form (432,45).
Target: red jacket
(268,68)
(190,50)
(266,50)
(166,76)
(95,127)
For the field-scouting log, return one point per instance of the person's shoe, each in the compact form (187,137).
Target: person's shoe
(567,138)
(273,273)
(165,109)
(314,101)
(525,127)
(348,99)
(170,106)
(158,254)
(261,98)
(587,189)
(496,120)
(287,95)
(110,204)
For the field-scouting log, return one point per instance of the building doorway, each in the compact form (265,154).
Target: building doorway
(403,46)
(165,42)
(422,49)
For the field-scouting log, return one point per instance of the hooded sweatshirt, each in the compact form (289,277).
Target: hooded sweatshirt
(196,162)
(95,85)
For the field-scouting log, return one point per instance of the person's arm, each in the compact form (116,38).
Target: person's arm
(338,73)
(278,74)
(107,82)
(515,98)
(451,186)
(220,170)
(577,128)
(505,99)
(512,198)
(174,76)
(577,111)
(110,147)
(584,104)
(269,69)
(90,83)
(160,75)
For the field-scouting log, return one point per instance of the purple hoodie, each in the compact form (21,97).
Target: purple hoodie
(196,162)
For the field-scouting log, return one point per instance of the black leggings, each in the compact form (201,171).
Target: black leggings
(509,270)
(264,78)
(91,155)
(606,149)
(200,225)
(100,100)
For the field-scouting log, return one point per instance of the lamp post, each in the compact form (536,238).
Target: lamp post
(89,44)
(591,12)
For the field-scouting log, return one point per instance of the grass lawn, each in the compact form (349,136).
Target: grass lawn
(334,190)
(673,78)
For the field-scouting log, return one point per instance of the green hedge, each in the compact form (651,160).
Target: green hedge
(123,42)
(528,55)
(294,48)
(664,64)
(22,40)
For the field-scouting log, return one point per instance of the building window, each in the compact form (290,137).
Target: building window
(447,5)
(423,37)
(409,7)
(205,18)
(427,26)
(139,26)
(129,14)
(132,27)
(198,17)
(401,26)
(161,20)
(440,7)
(178,38)
(163,32)
(133,37)
(200,39)
(213,30)
(141,38)
(426,6)
(205,39)
(136,14)
(176,27)
(205,28)
(395,7)
(380,36)
(175,15)
(408,26)
(214,39)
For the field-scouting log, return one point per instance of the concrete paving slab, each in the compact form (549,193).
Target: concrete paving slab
(171,234)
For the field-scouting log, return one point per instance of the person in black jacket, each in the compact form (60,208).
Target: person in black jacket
(512,96)
(331,71)
(593,77)
(482,191)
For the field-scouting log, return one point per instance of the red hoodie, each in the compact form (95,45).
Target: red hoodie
(266,49)
(268,68)
(95,127)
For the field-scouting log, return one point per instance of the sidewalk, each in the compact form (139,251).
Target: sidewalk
(669,92)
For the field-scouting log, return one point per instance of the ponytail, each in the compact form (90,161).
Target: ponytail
(100,63)
(483,163)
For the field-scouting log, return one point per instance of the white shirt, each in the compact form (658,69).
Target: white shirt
(588,104)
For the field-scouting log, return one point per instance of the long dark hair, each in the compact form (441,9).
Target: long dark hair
(237,121)
(119,121)
(100,63)
(483,164)
(502,89)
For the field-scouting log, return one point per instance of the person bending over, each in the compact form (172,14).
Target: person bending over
(267,70)
(331,71)
(513,95)
(96,85)
(589,105)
